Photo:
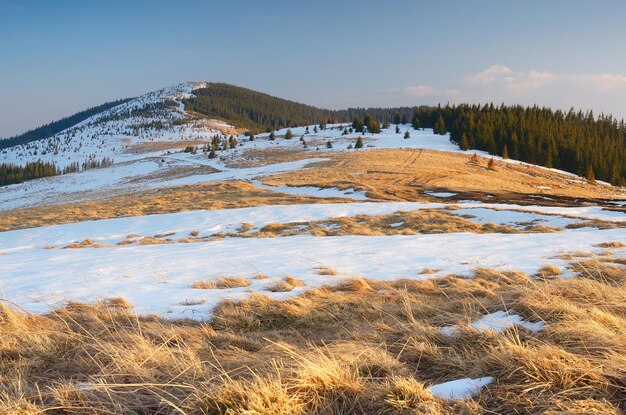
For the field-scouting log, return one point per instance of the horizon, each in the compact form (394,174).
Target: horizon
(66,57)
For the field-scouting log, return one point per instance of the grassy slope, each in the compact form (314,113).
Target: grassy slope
(361,347)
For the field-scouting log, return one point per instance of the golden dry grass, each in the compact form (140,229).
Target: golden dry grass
(220,195)
(363,347)
(405,174)
(221,283)
(288,283)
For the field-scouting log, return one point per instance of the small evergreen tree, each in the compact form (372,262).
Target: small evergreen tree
(232,142)
(329,144)
(440,126)
(505,152)
(396,118)
(212,154)
(272,136)
(357,124)
(404,119)
(407,134)
(397,129)
(359,143)
(288,135)
(345,131)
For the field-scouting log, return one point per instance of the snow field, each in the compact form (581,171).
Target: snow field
(158,278)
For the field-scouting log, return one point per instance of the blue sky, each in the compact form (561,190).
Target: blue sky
(59,57)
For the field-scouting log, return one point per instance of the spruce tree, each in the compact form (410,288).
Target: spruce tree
(397,129)
(440,126)
(272,136)
(407,135)
(329,144)
(505,152)
(359,143)
(357,124)
(288,135)
(464,144)
(396,118)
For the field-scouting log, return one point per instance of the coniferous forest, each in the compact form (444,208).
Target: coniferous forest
(594,147)
(12,174)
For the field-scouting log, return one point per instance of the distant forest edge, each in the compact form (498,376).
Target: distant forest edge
(52,128)
(577,142)
(572,141)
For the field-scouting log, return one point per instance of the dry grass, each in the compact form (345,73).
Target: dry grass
(219,195)
(405,174)
(425,221)
(324,270)
(287,284)
(221,283)
(614,244)
(548,271)
(364,347)
(86,243)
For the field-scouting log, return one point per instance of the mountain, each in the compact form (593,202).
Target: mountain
(197,112)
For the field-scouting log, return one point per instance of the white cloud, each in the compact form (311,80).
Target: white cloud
(419,91)
(604,92)
(505,77)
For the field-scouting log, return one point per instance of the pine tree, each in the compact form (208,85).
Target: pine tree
(329,144)
(288,135)
(212,154)
(505,152)
(464,144)
(415,121)
(407,135)
(357,124)
(232,142)
(359,143)
(272,136)
(440,126)
(397,129)
(396,118)
(404,119)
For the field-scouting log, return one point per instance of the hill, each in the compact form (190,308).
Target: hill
(52,128)
(577,142)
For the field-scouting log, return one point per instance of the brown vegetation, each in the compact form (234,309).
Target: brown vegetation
(361,347)
(405,174)
(221,283)
(219,195)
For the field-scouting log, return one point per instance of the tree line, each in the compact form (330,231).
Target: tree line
(12,174)
(574,141)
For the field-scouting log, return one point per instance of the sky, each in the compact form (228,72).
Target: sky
(58,57)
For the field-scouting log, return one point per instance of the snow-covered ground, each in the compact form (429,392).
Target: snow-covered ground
(38,275)
(157,278)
